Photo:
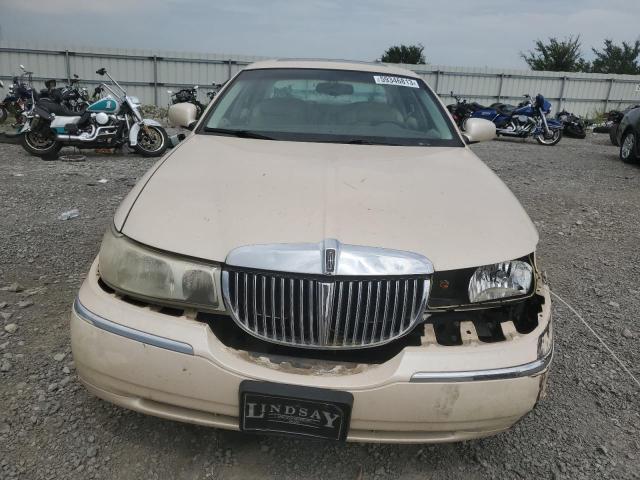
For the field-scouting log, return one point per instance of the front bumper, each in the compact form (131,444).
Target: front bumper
(176,368)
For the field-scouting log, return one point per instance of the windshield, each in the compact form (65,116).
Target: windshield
(319,105)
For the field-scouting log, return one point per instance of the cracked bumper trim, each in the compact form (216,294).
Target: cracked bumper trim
(525,370)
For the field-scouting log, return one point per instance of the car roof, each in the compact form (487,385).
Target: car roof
(375,67)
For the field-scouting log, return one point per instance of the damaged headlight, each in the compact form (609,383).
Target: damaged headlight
(500,280)
(486,285)
(142,272)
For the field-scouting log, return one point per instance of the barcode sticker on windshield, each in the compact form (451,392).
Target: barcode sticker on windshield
(400,81)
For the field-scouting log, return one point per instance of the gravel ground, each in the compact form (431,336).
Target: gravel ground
(585,203)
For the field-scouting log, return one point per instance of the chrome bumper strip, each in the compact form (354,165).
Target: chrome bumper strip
(130,333)
(526,370)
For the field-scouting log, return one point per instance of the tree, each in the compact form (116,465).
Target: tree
(411,54)
(557,55)
(617,59)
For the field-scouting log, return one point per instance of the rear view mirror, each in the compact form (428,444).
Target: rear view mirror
(334,88)
(478,130)
(182,115)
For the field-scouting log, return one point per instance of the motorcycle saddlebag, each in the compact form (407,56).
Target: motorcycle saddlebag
(41,119)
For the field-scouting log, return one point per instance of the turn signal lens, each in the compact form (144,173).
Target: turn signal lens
(500,280)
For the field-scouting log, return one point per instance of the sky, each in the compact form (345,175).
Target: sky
(454,32)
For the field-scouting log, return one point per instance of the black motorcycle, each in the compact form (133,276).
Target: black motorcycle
(214,90)
(188,95)
(3,111)
(20,98)
(573,125)
(73,97)
(461,110)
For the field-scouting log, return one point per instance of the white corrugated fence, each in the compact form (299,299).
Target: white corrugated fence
(148,74)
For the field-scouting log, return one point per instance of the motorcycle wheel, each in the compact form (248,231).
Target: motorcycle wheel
(613,134)
(152,144)
(3,114)
(550,140)
(37,144)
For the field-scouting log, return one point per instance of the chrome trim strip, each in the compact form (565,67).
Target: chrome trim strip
(526,370)
(130,333)
(311,258)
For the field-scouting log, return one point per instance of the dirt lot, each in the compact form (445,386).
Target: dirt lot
(586,204)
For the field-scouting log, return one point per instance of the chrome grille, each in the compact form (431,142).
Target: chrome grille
(324,312)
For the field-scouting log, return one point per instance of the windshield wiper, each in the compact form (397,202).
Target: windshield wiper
(239,133)
(362,141)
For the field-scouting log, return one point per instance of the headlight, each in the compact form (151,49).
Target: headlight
(140,271)
(500,280)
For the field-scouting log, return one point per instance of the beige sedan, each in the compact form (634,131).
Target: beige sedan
(323,256)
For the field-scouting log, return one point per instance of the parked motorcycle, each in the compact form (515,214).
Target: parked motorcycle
(3,111)
(21,97)
(71,96)
(188,95)
(461,110)
(528,119)
(573,126)
(214,91)
(111,121)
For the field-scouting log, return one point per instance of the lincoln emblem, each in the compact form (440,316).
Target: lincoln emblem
(330,260)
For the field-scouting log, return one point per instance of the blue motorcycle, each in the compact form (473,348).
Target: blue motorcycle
(528,119)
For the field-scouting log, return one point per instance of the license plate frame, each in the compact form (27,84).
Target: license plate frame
(293,410)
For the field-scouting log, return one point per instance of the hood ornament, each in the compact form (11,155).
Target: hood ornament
(330,249)
(329,261)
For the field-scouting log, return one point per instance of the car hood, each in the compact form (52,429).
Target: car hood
(216,193)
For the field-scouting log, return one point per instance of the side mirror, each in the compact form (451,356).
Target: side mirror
(195,87)
(22,67)
(102,71)
(478,130)
(183,115)
(1,84)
